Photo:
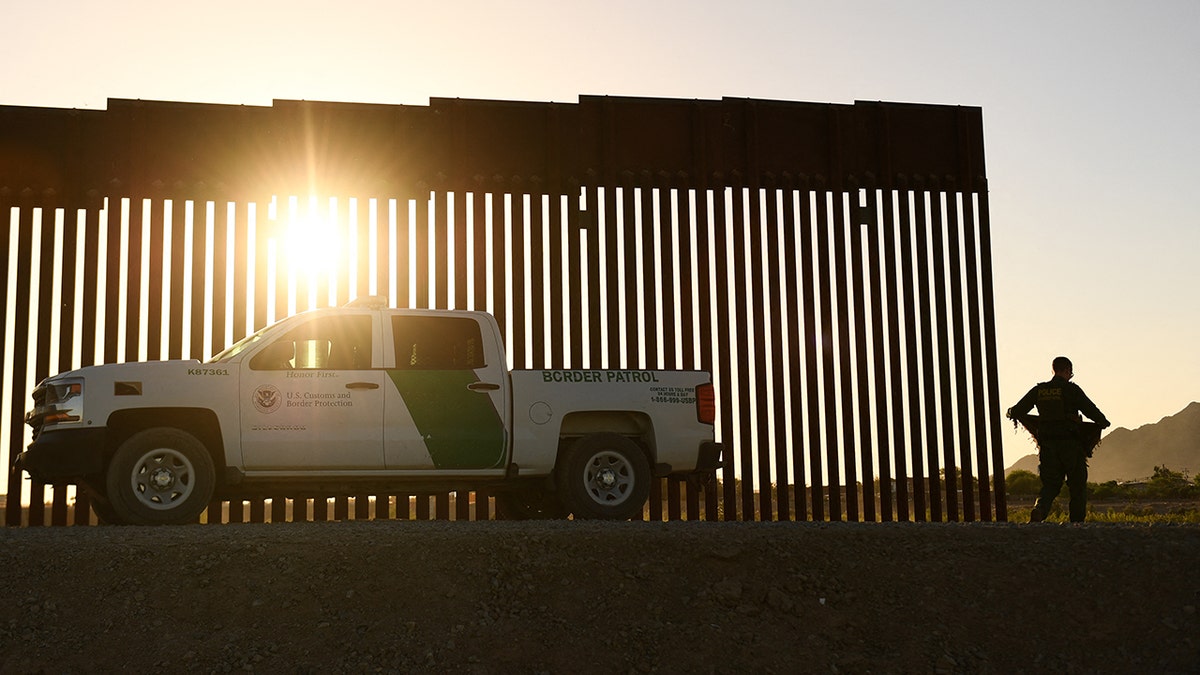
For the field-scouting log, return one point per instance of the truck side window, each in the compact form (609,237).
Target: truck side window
(328,343)
(437,343)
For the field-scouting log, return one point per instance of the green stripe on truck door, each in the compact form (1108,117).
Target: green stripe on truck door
(461,427)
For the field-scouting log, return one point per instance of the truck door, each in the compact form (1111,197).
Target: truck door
(312,399)
(444,408)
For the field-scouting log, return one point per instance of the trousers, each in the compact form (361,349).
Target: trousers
(1059,459)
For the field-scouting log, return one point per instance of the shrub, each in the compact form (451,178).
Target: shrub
(1022,482)
(1168,483)
(1106,490)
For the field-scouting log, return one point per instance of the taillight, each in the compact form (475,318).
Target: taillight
(706,404)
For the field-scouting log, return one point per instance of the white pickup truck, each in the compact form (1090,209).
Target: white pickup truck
(364,399)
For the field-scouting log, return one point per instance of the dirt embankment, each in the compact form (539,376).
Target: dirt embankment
(582,597)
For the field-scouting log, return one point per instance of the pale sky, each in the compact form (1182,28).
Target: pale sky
(1089,112)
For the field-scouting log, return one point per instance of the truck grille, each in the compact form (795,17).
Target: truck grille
(35,417)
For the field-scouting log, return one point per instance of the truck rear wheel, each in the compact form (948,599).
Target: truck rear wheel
(604,476)
(160,476)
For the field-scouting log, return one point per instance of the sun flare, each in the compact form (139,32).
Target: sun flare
(312,244)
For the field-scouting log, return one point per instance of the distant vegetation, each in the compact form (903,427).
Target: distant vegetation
(1164,485)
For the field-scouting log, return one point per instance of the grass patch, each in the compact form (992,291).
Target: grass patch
(1130,514)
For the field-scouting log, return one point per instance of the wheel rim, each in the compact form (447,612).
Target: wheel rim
(608,478)
(162,479)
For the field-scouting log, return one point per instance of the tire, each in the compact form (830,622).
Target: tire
(604,476)
(529,505)
(160,476)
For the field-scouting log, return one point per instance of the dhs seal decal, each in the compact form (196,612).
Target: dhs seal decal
(267,399)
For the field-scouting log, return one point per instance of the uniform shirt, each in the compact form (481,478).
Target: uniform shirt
(1059,403)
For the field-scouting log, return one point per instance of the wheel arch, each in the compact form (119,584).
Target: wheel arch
(199,422)
(637,426)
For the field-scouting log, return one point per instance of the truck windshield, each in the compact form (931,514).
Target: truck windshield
(239,346)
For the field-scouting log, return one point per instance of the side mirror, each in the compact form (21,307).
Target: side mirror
(275,356)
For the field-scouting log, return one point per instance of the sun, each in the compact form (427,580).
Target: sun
(308,249)
(312,243)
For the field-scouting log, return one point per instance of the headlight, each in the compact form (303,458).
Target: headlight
(61,392)
(58,402)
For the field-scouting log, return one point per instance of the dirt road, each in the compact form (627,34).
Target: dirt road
(585,597)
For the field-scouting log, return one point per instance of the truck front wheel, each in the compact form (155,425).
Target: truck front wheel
(604,476)
(160,476)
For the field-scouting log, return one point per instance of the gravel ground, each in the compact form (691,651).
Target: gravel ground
(588,597)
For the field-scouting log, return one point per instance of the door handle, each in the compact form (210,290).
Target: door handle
(483,386)
(362,385)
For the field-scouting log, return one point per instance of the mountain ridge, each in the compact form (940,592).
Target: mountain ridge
(1132,454)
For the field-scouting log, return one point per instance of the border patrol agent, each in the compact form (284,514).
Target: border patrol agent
(1061,453)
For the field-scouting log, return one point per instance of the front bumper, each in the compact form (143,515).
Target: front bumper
(64,455)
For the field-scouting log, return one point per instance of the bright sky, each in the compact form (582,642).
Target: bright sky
(1089,119)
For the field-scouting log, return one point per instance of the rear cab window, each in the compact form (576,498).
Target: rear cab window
(437,343)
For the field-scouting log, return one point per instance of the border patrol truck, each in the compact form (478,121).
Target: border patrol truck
(364,399)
